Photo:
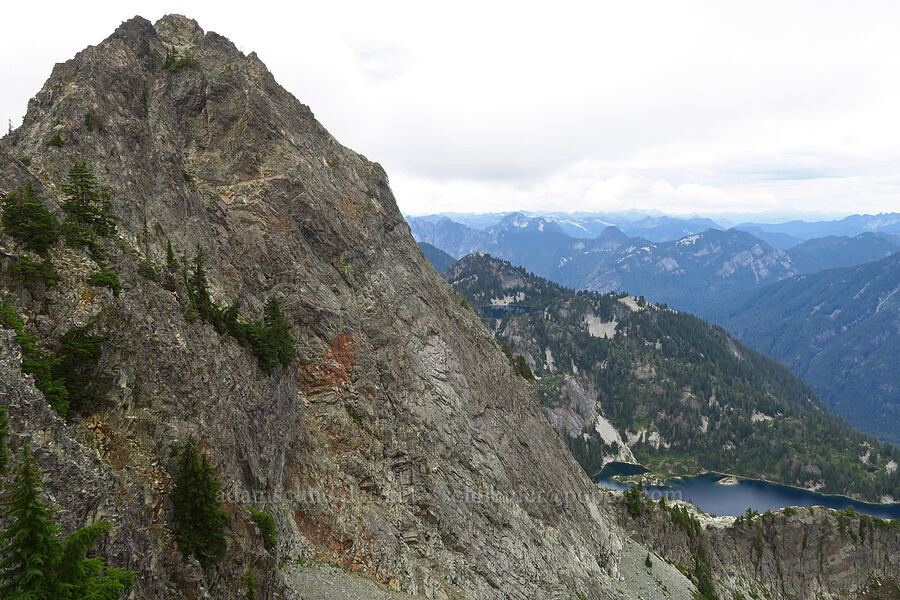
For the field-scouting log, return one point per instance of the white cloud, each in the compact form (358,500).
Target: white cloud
(683,107)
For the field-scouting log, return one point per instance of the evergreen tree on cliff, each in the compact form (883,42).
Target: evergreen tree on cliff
(199,520)
(279,332)
(39,565)
(87,205)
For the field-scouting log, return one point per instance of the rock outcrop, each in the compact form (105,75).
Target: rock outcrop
(792,553)
(400,445)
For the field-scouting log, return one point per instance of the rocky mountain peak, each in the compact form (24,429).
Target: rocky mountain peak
(179,31)
(400,444)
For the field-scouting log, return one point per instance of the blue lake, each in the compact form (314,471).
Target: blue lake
(734,500)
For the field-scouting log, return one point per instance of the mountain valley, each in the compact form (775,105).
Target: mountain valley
(837,329)
(623,379)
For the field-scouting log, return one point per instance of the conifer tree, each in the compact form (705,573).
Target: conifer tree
(198,287)
(87,205)
(171,264)
(270,338)
(199,520)
(30,547)
(278,332)
(83,578)
(39,565)
(231,320)
(89,212)
(522,369)
(26,217)
(249,585)
(82,196)
(266,525)
(38,362)
(79,353)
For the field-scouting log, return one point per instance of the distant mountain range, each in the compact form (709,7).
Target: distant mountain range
(622,379)
(663,228)
(689,273)
(839,330)
(849,226)
(832,251)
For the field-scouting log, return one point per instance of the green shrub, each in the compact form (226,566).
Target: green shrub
(106,278)
(26,218)
(30,272)
(147,271)
(25,160)
(199,520)
(174,62)
(56,141)
(39,363)
(79,237)
(266,525)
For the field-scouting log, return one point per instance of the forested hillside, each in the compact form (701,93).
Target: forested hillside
(684,396)
(439,259)
(819,254)
(839,330)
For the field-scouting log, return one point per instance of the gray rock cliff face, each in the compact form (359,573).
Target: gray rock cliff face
(793,553)
(400,445)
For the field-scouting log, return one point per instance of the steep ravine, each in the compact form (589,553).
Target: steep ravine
(399,447)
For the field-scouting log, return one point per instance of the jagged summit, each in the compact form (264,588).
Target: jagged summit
(400,444)
(166,103)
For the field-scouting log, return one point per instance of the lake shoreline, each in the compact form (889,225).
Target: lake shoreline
(797,487)
(673,482)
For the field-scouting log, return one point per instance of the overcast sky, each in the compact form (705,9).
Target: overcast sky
(781,109)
